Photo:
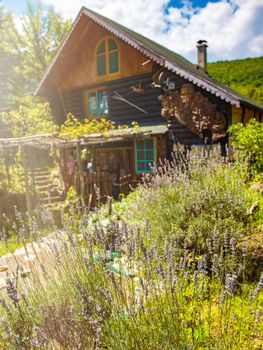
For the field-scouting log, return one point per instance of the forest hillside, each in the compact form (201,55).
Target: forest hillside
(244,76)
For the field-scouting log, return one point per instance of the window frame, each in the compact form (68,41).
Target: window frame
(145,149)
(107,57)
(86,101)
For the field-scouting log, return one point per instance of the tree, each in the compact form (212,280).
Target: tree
(42,33)
(244,76)
(26,121)
(25,54)
(10,58)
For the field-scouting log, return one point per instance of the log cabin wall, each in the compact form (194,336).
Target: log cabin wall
(161,149)
(73,101)
(66,102)
(123,113)
(244,114)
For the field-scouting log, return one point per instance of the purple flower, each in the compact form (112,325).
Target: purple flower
(159,270)
(231,283)
(233,244)
(12,291)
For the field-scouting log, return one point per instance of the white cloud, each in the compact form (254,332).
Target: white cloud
(233,28)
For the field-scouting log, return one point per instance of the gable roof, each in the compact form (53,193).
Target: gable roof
(159,54)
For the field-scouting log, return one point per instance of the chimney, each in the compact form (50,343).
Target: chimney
(202,55)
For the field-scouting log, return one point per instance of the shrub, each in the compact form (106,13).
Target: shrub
(73,127)
(191,204)
(248,140)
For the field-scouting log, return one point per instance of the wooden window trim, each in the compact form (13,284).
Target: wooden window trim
(136,158)
(86,101)
(107,58)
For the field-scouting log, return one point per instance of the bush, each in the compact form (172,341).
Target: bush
(190,205)
(248,140)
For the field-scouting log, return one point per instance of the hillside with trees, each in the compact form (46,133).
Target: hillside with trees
(244,76)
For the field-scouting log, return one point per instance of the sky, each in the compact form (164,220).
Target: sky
(233,28)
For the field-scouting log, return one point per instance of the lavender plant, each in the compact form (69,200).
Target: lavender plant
(173,280)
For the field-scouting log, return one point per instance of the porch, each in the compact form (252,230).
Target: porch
(105,165)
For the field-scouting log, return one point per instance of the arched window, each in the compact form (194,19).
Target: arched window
(107,57)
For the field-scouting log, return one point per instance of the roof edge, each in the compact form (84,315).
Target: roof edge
(64,41)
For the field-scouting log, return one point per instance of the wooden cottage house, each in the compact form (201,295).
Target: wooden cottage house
(105,69)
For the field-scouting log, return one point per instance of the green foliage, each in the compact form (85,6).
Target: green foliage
(244,76)
(248,140)
(74,127)
(33,120)
(118,286)
(11,245)
(76,301)
(9,59)
(42,33)
(210,199)
(25,53)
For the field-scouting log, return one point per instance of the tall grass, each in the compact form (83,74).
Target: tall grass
(166,271)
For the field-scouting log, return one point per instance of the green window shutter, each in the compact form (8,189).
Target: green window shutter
(101,65)
(145,155)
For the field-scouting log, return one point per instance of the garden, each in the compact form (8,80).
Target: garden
(171,266)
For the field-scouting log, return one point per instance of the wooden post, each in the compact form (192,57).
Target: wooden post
(32,173)
(243,115)
(27,187)
(94,160)
(80,172)
(7,167)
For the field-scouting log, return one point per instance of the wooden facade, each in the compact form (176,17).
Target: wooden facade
(77,64)
(103,68)
(75,101)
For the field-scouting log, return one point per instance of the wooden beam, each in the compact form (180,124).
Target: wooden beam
(61,99)
(80,173)
(26,177)
(6,156)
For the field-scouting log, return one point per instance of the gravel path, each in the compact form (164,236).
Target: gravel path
(23,260)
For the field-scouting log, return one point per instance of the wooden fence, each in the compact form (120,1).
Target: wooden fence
(100,185)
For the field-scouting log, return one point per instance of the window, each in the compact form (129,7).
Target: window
(145,155)
(98,103)
(107,57)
